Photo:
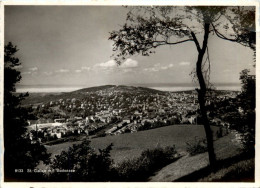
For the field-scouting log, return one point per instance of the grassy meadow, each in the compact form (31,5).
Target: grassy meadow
(130,145)
(187,167)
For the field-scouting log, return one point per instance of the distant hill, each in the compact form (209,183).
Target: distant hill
(37,98)
(118,88)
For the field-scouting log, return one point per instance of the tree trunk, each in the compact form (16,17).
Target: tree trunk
(201,97)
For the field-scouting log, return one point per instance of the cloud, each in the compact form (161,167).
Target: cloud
(86,68)
(78,71)
(227,70)
(26,73)
(108,64)
(184,63)
(18,67)
(62,71)
(127,70)
(157,67)
(48,73)
(33,69)
(129,63)
(109,67)
(164,68)
(151,69)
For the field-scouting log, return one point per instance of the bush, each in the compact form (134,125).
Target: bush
(248,141)
(219,132)
(196,146)
(85,163)
(89,166)
(139,169)
(101,134)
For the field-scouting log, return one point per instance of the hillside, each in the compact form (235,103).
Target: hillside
(118,88)
(132,144)
(36,98)
(187,168)
(105,90)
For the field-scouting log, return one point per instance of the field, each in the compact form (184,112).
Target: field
(187,168)
(131,145)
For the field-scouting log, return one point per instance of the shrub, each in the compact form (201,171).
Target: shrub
(219,132)
(87,165)
(196,146)
(85,162)
(101,134)
(139,169)
(248,141)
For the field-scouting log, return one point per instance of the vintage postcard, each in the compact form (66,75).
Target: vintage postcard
(146,94)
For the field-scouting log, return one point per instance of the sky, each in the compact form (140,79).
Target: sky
(68,45)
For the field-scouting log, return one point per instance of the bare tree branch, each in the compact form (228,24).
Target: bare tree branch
(173,43)
(221,35)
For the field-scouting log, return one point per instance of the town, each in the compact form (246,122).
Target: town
(115,110)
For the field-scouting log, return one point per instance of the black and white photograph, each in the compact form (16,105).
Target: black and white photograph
(116,93)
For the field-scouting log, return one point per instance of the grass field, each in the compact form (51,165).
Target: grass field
(188,168)
(193,168)
(132,144)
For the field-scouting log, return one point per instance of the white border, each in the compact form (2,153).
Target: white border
(131,2)
(128,2)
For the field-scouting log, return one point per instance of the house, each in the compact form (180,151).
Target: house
(56,124)
(31,122)
(58,135)
(85,130)
(61,120)
(78,118)
(113,129)
(115,112)
(240,110)
(193,119)
(126,120)
(216,121)
(185,120)
(103,119)
(137,113)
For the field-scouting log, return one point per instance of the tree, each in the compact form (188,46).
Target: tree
(19,152)
(147,28)
(247,100)
(85,164)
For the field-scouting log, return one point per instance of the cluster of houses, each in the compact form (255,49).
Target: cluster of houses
(117,113)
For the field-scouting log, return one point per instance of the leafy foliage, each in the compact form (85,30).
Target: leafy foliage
(90,166)
(19,152)
(196,146)
(87,164)
(139,169)
(239,113)
(147,28)
(247,117)
(248,90)
(220,132)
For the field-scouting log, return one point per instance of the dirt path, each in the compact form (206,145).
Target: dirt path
(225,147)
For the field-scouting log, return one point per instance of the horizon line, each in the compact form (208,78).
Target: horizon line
(133,84)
